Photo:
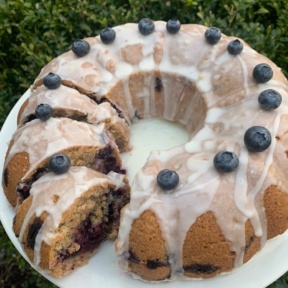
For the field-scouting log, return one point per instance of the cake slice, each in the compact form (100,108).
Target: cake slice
(35,143)
(66,217)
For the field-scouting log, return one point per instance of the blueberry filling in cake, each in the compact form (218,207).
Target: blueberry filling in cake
(23,188)
(61,224)
(201,268)
(233,102)
(92,231)
(105,161)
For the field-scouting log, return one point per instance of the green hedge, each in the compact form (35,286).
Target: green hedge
(34,32)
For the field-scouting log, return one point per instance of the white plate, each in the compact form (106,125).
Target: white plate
(102,270)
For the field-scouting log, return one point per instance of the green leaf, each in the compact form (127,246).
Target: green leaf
(262,10)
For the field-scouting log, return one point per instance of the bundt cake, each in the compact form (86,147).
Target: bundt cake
(196,210)
(67,216)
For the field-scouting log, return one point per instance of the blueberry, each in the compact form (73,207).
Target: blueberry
(257,139)
(52,81)
(146,26)
(43,112)
(59,163)
(212,35)
(167,179)
(226,161)
(107,35)
(235,47)
(173,26)
(262,73)
(269,99)
(80,47)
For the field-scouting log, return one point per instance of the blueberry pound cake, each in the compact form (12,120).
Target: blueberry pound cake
(196,210)
(67,216)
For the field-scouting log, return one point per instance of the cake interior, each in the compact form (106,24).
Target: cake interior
(84,227)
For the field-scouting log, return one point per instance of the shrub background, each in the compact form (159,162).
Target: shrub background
(34,32)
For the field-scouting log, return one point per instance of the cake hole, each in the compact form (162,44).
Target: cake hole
(155,103)
(148,135)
